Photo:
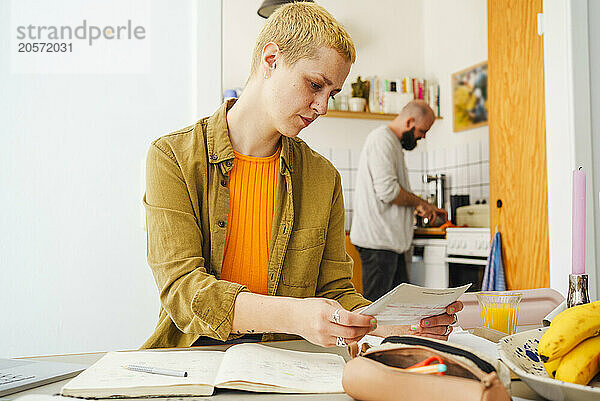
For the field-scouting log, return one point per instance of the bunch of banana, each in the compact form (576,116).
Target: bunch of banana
(570,348)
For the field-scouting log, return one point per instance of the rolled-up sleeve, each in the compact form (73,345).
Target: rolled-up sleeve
(195,300)
(382,162)
(335,271)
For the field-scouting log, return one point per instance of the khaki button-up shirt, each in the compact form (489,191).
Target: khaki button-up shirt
(187,205)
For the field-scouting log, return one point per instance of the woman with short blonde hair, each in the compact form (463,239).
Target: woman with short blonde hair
(245,221)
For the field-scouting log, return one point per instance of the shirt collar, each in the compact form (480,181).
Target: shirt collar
(219,145)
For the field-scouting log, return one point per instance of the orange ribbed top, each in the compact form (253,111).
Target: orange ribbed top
(252,182)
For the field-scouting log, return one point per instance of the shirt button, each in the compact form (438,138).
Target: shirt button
(223,183)
(213,157)
(221,223)
(228,163)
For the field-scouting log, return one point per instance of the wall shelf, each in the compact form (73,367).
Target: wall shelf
(359,114)
(362,115)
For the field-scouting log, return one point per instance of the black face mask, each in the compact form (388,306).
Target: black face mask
(408,140)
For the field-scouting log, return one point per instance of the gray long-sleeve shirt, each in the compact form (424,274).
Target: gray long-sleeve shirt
(377,223)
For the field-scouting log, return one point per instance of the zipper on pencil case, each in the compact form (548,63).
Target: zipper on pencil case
(481,364)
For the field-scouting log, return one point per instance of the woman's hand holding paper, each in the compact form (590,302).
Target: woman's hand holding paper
(438,327)
(322,321)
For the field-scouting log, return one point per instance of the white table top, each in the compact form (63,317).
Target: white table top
(520,390)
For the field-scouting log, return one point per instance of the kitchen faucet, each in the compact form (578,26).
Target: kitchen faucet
(440,184)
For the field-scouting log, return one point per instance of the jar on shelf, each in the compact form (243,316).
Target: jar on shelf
(331,104)
(343,103)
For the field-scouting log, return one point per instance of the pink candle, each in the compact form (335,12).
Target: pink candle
(578,224)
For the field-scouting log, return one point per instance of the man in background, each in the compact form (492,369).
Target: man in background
(382,225)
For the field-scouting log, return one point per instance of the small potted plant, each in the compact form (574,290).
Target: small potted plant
(360,95)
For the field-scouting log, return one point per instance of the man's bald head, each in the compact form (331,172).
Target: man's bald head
(416,117)
(417,109)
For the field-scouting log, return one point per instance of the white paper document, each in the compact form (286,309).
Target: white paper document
(407,304)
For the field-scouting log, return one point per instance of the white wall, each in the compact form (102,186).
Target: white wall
(455,38)
(568,132)
(395,38)
(594,67)
(72,267)
(388,36)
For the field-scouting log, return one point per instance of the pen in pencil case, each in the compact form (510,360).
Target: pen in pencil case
(156,371)
(429,369)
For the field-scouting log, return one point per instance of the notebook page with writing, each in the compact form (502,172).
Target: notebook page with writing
(108,377)
(255,367)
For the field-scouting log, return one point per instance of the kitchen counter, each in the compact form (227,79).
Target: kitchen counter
(430,232)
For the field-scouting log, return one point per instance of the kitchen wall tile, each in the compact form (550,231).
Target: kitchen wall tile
(485,193)
(451,176)
(423,156)
(475,174)
(466,168)
(439,159)
(347,220)
(348,195)
(430,166)
(475,193)
(474,152)
(462,176)
(485,173)
(462,157)
(414,179)
(485,150)
(346,179)
(413,160)
(451,157)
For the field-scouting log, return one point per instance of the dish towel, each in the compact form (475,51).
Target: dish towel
(493,277)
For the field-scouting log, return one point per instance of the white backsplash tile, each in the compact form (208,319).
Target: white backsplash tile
(451,157)
(475,174)
(485,172)
(474,152)
(451,176)
(466,167)
(413,160)
(430,167)
(414,178)
(346,179)
(462,157)
(485,150)
(462,176)
(439,159)
(348,198)
(474,194)
(485,193)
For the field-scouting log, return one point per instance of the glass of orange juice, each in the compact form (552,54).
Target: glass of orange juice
(499,310)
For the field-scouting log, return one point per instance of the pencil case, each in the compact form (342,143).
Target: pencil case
(378,373)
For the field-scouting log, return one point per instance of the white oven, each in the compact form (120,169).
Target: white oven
(428,267)
(467,253)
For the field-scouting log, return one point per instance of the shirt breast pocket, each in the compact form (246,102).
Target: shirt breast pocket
(302,260)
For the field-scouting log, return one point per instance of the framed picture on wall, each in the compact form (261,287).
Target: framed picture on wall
(469,97)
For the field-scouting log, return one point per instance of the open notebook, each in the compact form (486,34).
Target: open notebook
(251,367)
